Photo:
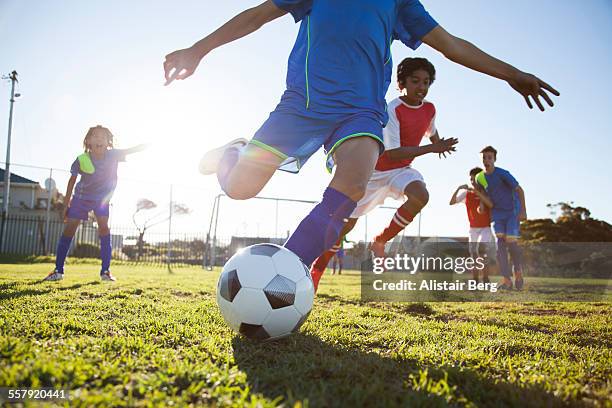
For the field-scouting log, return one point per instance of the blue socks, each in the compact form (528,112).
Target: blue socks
(106,252)
(516,255)
(228,161)
(502,258)
(320,230)
(63,246)
(62,250)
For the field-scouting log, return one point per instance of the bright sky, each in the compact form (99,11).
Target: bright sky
(100,62)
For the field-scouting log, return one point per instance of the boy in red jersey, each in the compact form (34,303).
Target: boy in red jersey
(411,118)
(477,204)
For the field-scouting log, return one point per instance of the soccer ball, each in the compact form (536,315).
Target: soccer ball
(265,292)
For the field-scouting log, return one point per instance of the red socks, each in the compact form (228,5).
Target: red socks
(400,220)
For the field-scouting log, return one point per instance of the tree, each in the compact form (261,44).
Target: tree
(573,224)
(143,220)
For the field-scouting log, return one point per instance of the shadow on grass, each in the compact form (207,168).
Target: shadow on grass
(304,367)
(11,290)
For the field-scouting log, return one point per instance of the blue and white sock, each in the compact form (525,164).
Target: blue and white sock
(321,228)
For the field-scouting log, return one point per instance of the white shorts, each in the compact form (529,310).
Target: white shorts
(383,184)
(482,236)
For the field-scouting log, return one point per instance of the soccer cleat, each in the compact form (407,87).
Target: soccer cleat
(54,276)
(106,276)
(506,284)
(211,159)
(518,281)
(378,249)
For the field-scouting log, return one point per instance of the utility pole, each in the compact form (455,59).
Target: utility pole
(7,171)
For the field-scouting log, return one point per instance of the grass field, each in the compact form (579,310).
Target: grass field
(157,338)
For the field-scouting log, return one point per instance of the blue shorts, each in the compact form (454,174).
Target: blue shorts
(296,134)
(79,209)
(507,224)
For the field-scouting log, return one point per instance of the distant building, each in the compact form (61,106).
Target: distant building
(26,195)
(32,230)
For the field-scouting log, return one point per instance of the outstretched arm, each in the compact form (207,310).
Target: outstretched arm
(467,54)
(438,145)
(136,149)
(182,64)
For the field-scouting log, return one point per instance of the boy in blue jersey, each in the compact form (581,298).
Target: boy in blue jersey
(338,74)
(507,211)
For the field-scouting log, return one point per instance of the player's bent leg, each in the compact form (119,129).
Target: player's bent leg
(355,158)
(244,176)
(417,195)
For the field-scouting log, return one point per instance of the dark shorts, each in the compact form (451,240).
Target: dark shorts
(79,209)
(295,135)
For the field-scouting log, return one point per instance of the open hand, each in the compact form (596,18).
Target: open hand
(444,146)
(181,64)
(531,86)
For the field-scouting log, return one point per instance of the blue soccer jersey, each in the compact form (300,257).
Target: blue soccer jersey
(341,61)
(501,189)
(100,185)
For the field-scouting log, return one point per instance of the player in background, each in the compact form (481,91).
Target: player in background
(477,205)
(97,167)
(411,118)
(507,203)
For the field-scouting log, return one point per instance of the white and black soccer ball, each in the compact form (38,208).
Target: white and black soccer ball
(265,292)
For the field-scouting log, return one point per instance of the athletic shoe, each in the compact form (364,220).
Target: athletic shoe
(506,284)
(378,249)
(518,281)
(106,276)
(211,159)
(54,276)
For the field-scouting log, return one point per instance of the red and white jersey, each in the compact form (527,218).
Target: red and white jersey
(472,202)
(407,126)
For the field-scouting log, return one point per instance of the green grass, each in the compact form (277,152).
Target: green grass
(156,338)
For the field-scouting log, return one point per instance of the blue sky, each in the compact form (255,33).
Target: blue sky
(100,62)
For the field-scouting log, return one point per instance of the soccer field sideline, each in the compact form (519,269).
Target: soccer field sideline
(155,338)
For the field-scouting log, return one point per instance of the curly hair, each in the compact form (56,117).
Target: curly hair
(409,65)
(93,130)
